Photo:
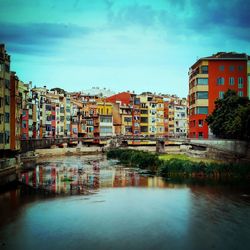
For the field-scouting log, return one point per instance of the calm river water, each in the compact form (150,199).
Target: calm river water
(100,205)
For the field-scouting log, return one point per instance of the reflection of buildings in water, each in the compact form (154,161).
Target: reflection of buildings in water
(126,178)
(156,182)
(106,178)
(65,178)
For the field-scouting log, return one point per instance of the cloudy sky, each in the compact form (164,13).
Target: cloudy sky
(140,45)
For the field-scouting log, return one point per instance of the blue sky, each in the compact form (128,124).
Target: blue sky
(122,45)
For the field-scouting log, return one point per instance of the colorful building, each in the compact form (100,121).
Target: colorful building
(105,111)
(16,112)
(4,98)
(126,113)
(209,78)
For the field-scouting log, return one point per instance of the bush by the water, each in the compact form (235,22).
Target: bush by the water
(135,158)
(210,169)
(181,167)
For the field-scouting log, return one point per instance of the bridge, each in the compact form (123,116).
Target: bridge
(32,144)
(225,148)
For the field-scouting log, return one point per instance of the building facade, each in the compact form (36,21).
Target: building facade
(209,78)
(4,99)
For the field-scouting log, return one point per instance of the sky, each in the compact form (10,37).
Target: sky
(121,45)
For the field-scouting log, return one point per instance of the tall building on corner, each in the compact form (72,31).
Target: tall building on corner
(4,99)
(209,78)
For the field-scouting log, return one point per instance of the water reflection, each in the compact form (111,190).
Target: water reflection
(127,210)
(71,178)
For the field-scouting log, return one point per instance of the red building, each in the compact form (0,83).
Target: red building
(123,98)
(25,124)
(209,78)
(129,112)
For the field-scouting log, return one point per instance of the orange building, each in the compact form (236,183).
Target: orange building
(16,112)
(209,78)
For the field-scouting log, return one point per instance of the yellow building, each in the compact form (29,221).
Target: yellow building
(160,130)
(144,110)
(126,120)
(105,111)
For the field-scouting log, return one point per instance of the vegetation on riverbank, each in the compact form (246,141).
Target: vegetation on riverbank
(179,167)
(135,158)
(167,157)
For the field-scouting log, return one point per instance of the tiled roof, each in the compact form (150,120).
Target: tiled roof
(227,55)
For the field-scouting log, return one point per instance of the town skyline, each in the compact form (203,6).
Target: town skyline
(127,45)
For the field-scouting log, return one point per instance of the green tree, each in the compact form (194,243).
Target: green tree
(231,117)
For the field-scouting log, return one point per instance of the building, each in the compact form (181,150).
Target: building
(16,112)
(175,116)
(75,125)
(209,78)
(105,111)
(126,113)
(4,98)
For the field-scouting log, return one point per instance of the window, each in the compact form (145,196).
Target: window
(231,68)
(220,80)
(1,102)
(48,107)
(90,122)
(200,123)
(204,69)
(127,119)
(7,100)
(7,84)
(202,95)
(7,117)
(1,138)
(200,135)
(24,124)
(231,80)
(240,82)
(202,81)
(221,67)
(240,93)
(108,119)
(240,67)
(48,127)
(7,137)
(240,85)
(7,68)
(221,94)
(202,110)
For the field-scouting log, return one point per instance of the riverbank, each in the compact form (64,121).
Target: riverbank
(8,169)
(180,165)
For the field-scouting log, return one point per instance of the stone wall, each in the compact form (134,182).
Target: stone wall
(234,146)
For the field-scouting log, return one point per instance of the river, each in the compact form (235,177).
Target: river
(89,202)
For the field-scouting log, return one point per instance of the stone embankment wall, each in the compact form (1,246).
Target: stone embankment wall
(8,168)
(234,146)
(68,151)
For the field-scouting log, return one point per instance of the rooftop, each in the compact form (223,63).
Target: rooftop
(227,55)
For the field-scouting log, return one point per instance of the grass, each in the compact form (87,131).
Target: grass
(180,165)
(167,157)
